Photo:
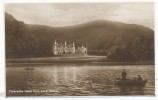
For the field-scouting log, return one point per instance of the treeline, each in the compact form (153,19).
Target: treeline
(118,41)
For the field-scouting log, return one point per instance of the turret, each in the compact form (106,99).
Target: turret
(65,43)
(55,48)
(73,44)
(73,47)
(55,43)
(65,48)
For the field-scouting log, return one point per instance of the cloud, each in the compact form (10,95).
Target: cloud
(63,14)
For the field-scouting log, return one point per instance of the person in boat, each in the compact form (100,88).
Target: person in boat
(139,78)
(123,74)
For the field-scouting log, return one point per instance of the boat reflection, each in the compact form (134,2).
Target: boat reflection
(132,90)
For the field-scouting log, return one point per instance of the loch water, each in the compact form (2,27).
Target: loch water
(75,80)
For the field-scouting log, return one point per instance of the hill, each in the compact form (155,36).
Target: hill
(119,41)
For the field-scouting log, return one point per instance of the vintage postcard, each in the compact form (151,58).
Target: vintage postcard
(80,49)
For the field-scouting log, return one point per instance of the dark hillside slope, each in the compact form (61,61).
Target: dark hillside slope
(119,41)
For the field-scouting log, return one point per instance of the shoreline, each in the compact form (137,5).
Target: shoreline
(87,60)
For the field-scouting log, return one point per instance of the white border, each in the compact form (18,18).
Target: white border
(67,1)
(156,42)
(2,49)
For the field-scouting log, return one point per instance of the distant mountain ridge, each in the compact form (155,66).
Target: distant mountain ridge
(119,41)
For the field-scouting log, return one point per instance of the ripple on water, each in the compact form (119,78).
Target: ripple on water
(79,81)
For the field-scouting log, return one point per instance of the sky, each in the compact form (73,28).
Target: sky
(67,14)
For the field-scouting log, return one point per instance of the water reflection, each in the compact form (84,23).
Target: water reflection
(29,74)
(77,80)
(66,74)
(28,84)
(74,74)
(55,75)
(131,90)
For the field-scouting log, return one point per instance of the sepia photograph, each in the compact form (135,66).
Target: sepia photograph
(80,49)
